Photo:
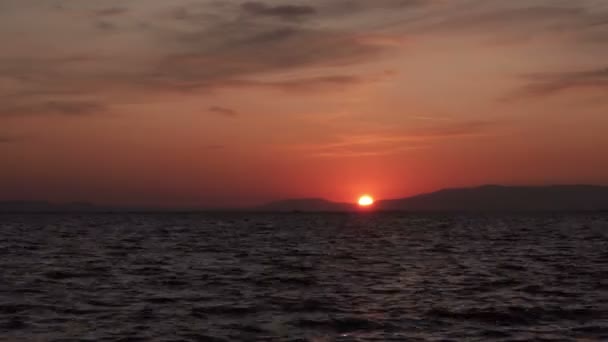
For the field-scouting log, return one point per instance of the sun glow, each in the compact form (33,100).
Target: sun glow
(366,201)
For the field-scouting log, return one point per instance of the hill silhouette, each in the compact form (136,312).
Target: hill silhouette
(506,198)
(42,206)
(306,204)
(483,198)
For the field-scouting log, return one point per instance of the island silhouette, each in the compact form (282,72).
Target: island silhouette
(484,198)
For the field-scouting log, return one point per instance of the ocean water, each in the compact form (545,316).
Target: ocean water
(303,277)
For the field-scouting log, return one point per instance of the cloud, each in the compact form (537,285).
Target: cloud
(231,56)
(286,12)
(7,139)
(195,47)
(549,84)
(216,147)
(235,52)
(365,145)
(111,11)
(317,83)
(186,46)
(54,107)
(73,107)
(105,26)
(301,85)
(390,142)
(511,16)
(227,112)
(581,22)
(354,6)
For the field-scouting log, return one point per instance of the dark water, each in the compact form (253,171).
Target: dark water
(303,277)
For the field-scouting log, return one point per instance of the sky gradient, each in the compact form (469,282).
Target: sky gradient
(230,103)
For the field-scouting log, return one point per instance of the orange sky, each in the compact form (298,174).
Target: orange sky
(230,103)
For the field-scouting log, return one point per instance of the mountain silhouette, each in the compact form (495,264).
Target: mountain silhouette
(306,204)
(506,198)
(43,206)
(483,198)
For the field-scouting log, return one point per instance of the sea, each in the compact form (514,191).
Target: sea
(304,277)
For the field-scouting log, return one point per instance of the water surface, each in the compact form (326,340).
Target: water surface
(303,277)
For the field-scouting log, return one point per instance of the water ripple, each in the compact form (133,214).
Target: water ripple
(304,277)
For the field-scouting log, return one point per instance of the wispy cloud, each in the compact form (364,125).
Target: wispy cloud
(105,26)
(302,85)
(390,142)
(199,48)
(54,107)
(184,46)
(287,12)
(111,11)
(6,139)
(549,84)
(216,147)
(223,111)
(362,6)
(579,21)
(261,51)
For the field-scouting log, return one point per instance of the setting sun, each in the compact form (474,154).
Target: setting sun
(366,201)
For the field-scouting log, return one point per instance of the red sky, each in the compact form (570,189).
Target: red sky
(229,103)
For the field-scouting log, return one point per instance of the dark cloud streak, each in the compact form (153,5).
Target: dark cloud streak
(216,147)
(205,46)
(285,12)
(55,107)
(303,85)
(241,55)
(7,140)
(223,111)
(543,84)
(111,12)
(578,21)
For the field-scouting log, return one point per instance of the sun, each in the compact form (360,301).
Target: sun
(366,201)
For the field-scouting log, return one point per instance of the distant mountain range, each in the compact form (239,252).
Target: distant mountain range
(481,199)
(506,198)
(42,206)
(306,204)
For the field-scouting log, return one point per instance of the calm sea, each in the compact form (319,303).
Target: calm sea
(303,277)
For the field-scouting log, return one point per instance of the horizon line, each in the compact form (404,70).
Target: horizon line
(202,207)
